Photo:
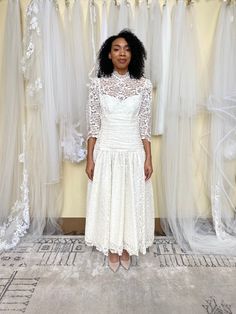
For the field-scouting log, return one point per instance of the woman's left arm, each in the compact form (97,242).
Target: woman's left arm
(148,170)
(145,119)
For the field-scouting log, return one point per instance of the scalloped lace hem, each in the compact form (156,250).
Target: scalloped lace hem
(119,249)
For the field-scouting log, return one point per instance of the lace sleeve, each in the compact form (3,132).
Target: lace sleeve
(93,110)
(145,112)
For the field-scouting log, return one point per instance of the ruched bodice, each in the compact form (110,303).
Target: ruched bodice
(119,124)
(119,95)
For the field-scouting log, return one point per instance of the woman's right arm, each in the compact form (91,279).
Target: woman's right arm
(93,125)
(90,163)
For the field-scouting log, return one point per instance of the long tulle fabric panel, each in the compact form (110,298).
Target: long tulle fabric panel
(214,232)
(14,205)
(45,98)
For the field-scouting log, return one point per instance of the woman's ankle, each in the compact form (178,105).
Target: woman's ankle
(113,257)
(125,255)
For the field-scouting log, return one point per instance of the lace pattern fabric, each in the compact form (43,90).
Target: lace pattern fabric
(120,210)
(120,87)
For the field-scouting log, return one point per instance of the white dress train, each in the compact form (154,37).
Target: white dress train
(120,208)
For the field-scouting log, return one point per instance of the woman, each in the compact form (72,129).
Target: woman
(120,210)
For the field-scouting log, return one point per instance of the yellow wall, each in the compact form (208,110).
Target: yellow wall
(75,180)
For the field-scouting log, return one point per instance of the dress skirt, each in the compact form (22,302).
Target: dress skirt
(120,209)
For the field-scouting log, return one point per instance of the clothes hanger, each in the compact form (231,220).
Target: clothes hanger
(228,2)
(179,1)
(188,2)
(138,2)
(148,3)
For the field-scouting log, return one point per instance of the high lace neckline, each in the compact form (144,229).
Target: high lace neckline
(120,76)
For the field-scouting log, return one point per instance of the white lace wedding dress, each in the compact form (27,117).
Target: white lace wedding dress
(120,208)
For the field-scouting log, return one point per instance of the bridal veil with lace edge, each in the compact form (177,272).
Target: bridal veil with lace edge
(14,189)
(45,97)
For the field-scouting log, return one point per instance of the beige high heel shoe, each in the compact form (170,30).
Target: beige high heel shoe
(126,263)
(113,265)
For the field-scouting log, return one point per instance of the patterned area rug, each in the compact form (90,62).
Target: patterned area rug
(60,274)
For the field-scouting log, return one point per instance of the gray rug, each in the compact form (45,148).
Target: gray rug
(62,275)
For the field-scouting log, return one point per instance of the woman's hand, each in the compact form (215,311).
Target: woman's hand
(148,159)
(90,168)
(90,163)
(148,170)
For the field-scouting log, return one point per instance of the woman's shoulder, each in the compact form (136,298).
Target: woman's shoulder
(145,82)
(97,80)
(94,79)
(93,82)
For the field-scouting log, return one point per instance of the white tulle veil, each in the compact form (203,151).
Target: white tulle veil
(162,83)
(45,95)
(73,126)
(199,229)
(14,189)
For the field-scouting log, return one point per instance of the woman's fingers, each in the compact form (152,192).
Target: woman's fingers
(89,172)
(90,168)
(148,173)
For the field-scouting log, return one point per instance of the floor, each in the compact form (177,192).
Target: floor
(60,274)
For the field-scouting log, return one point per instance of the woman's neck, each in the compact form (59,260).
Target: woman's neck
(121,71)
(117,75)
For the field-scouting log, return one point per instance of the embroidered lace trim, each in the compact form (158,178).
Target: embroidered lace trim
(121,87)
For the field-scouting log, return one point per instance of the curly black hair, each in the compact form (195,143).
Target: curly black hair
(138,55)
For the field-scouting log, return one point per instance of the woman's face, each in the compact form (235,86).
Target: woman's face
(120,55)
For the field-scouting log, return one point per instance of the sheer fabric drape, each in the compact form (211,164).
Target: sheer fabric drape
(73,125)
(45,96)
(14,205)
(195,229)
